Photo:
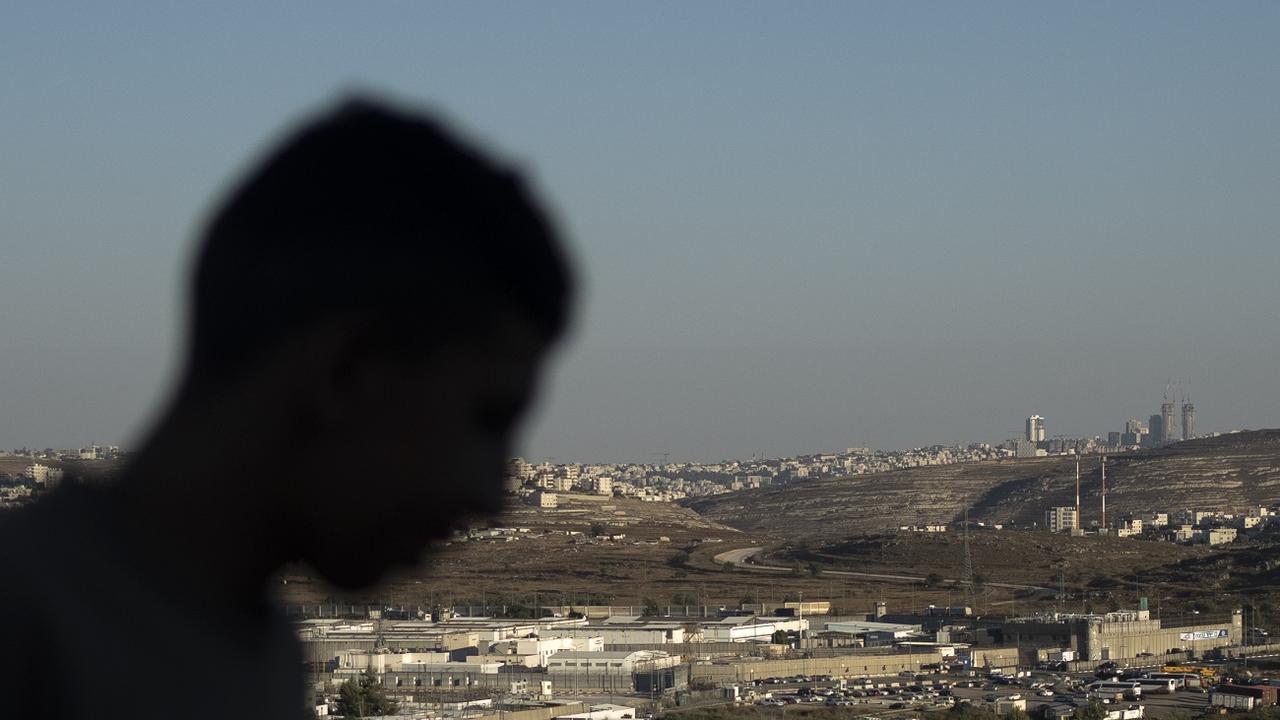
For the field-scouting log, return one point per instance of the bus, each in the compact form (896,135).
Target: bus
(1120,690)
(1182,679)
(1159,686)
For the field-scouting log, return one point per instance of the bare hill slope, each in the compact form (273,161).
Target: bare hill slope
(1228,473)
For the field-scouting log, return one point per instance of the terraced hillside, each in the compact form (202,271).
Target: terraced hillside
(1228,473)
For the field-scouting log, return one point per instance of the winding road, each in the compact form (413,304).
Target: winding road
(740,557)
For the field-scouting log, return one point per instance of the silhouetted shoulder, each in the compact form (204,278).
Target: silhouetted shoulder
(28,658)
(88,634)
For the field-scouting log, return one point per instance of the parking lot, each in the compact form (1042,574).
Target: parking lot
(938,692)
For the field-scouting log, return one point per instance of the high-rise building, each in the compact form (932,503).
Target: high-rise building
(1168,430)
(1135,433)
(1035,429)
(1156,423)
(1188,419)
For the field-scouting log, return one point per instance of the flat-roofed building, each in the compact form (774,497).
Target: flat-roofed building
(751,629)
(610,662)
(1221,536)
(1119,635)
(1061,519)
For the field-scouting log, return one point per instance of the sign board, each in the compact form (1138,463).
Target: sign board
(1203,635)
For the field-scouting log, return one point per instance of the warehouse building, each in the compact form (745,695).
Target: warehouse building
(1120,635)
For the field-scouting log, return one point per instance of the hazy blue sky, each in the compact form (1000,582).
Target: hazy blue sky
(804,225)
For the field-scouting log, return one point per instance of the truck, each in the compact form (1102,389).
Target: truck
(1204,672)
(1231,701)
(1262,694)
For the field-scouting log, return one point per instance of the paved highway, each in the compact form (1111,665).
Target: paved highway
(740,557)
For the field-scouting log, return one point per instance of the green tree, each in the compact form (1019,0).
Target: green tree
(780,637)
(679,560)
(364,696)
(965,710)
(649,606)
(933,580)
(814,570)
(684,597)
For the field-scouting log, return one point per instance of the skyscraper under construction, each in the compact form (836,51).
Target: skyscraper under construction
(1168,433)
(1188,419)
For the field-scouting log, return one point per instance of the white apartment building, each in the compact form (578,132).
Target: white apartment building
(1129,528)
(1155,519)
(1061,519)
(1220,536)
(44,474)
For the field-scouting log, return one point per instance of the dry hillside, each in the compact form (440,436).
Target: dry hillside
(1229,473)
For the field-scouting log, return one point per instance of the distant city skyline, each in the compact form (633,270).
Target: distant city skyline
(799,228)
(1035,433)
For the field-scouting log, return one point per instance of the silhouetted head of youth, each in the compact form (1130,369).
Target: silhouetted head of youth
(371,308)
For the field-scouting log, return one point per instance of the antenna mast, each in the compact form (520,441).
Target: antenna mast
(968,566)
(1104,492)
(1078,524)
